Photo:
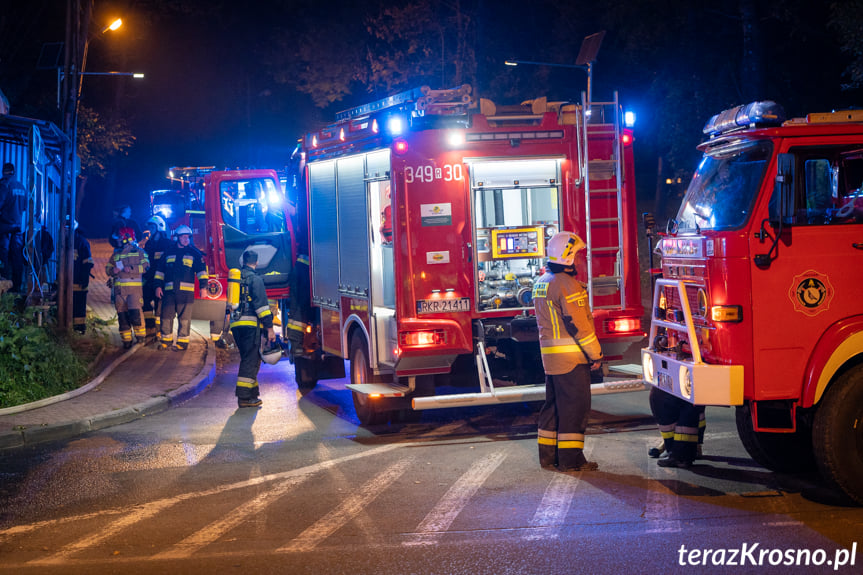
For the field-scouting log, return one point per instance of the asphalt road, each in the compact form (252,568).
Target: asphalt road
(298,487)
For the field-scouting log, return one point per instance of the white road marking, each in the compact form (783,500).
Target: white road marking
(148,510)
(349,509)
(451,504)
(556,502)
(661,507)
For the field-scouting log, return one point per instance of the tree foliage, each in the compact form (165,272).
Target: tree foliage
(99,140)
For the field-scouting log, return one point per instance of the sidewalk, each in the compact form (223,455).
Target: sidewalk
(140,382)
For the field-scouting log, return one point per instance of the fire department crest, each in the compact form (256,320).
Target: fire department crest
(811,293)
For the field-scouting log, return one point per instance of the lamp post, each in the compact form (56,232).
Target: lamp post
(72,81)
(586,58)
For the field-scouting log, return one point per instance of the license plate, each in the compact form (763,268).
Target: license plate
(664,381)
(443,305)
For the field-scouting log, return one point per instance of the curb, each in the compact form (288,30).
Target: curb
(32,435)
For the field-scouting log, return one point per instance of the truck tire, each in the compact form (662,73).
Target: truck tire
(306,372)
(424,388)
(838,434)
(781,452)
(369,411)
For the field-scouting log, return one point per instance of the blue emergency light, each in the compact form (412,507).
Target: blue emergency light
(766,113)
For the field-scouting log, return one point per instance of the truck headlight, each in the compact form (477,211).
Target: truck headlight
(685,382)
(647,367)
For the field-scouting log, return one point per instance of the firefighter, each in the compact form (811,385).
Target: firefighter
(13,205)
(679,424)
(126,268)
(178,270)
(657,450)
(157,244)
(81,267)
(570,349)
(252,313)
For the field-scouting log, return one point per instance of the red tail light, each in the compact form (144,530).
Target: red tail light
(623,325)
(421,338)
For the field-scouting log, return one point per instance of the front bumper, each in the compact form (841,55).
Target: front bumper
(697,383)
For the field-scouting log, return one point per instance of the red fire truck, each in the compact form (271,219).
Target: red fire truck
(428,218)
(228,212)
(759,306)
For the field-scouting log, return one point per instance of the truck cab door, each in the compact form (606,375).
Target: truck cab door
(253,217)
(809,283)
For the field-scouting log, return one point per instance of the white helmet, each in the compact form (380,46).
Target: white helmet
(181,230)
(562,248)
(159,222)
(271,353)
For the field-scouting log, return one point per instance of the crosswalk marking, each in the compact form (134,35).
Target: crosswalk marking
(556,502)
(153,508)
(660,509)
(347,510)
(451,504)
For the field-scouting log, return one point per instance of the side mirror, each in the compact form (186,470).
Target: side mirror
(782,201)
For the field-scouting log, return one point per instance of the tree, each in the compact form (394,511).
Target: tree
(847,20)
(397,46)
(98,142)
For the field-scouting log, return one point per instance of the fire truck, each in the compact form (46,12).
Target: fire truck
(759,305)
(230,211)
(428,216)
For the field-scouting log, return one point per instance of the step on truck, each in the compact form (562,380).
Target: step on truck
(759,305)
(428,215)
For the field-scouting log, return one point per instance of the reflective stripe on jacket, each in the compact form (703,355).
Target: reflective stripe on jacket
(566,331)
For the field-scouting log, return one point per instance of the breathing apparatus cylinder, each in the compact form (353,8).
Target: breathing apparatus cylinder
(234,279)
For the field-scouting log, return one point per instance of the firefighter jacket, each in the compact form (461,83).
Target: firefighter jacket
(566,333)
(127,267)
(155,247)
(254,307)
(82,265)
(178,270)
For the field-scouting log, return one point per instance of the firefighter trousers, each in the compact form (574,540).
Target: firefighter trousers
(174,306)
(563,419)
(79,308)
(151,310)
(128,306)
(680,424)
(248,342)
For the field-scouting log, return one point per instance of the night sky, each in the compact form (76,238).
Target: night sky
(215,90)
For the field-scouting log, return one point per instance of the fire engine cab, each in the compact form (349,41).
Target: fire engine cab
(759,306)
(428,219)
(230,211)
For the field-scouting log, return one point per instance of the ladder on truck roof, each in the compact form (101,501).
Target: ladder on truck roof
(604,120)
(422,100)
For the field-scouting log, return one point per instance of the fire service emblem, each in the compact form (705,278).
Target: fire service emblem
(811,293)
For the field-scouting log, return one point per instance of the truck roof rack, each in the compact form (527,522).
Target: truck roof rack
(420,101)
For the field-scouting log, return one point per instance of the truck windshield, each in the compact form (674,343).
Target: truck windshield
(724,186)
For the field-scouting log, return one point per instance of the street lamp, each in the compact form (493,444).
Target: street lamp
(586,58)
(112,26)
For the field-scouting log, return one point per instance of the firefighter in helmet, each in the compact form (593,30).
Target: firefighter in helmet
(251,314)
(570,349)
(157,244)
(126,268)
(181,266)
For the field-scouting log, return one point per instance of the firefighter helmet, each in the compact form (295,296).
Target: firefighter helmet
(562,248)
(126,235)
(271,353)
(182,230)
(159,223)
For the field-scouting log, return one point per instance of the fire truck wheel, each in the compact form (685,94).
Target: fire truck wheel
(781,452)
(424,388)
(838,434)
(370,411)
(306,372)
